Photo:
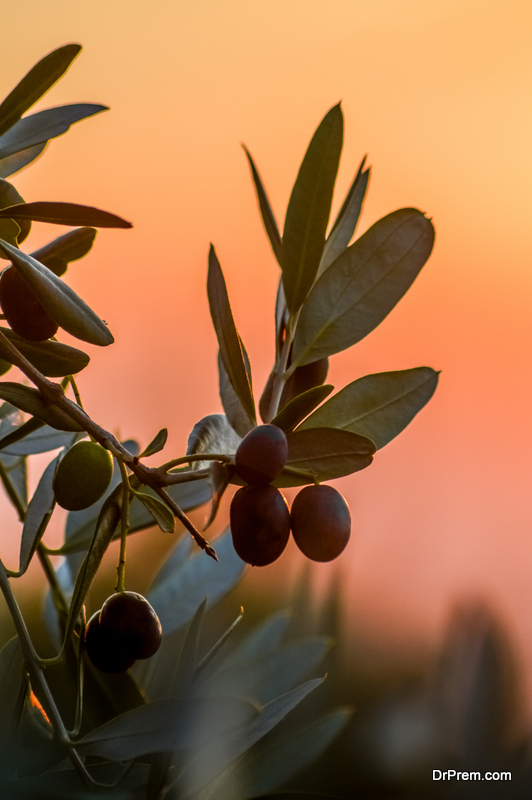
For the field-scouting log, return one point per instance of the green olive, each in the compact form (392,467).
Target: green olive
(82,476)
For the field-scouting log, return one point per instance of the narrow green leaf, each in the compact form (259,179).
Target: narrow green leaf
(326,452)
(300,407)
(35,84)
(14,163)
(234,410)
(378,406)
(309,207)
(38,515)
(160,513)
(69,311)
(180,586)
(268,217)
(29,400)
(360,289)
(44,125)
(71,246)
(156,444)
(345,224)
(53,359)
(65,214)
(231,350)
(212,434)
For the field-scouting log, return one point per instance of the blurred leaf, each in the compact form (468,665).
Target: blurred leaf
(231,348)
(297,795)
(71,246)
(268,217)
(108,519)
(35,84)
(219,477)
(180,587)
(50,614)
(166,725)
(234,410)
(69,311)
(156,445)
(181,681)
(326,452)
(210,762)
(212,434)
(378,406)
(38,515)
(53,359)
(345,224)
(309,207)
(273,762)
(34,437)
(44,125)
(14,163)
(210,658)
(300,407)
(263,678)
(65,214)
(265,639)
(27,399)
(360,289)
(159,511)
(11,688)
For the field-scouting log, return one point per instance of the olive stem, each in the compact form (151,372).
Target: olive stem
(194,457)
(75,389)
(124,528)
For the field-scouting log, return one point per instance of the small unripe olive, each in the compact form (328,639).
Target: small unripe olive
(101,649)
(260,524)
(261,455)
(22,310)
(83,475)
(321,522)
(132,624)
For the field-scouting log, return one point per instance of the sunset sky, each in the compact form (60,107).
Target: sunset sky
(438,97)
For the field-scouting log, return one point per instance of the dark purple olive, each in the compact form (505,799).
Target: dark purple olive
(260,524)
(102,651)
(132,624)
(261,455)
(321,522)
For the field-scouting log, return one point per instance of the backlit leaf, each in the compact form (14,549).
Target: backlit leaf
(300,407)
(231,350)
(212,434)
(27,399)
(38,515)
(159,511)
(71,246)
(33,437)
(378,406)
(35,84)
(234,410)
(44,125)
(53,359)
(65,214)
(309,207)
(156,445)
(68,309)
(359,290)
(11,164)
(268,217)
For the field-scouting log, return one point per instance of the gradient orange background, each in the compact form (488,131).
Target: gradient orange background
(438,95)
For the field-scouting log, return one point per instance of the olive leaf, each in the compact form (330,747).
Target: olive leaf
(345,223)
(378,406)
(268,217)
(67,309)
(53,359)
(27,399)
(212,434)
(231,348)
(38,515)
(325,452)
(308,210)
(14,437)
(9,232)
(300,407)
(65,214)
(8,197)
(362,286)
(71,246)
(158,510)
(156,445)
(234,410)
(44,125)
(35,84)
(11,164)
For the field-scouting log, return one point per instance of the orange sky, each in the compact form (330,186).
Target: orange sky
(437,95)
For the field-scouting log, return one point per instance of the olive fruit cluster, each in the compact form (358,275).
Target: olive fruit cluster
(23,311)
(125,629)
(83,475)
(260,519)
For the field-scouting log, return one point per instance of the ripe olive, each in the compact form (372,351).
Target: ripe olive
(101,649)
(261,455)
(131,623)
(83,475)
(23,311)
(321,522)
(260,524)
